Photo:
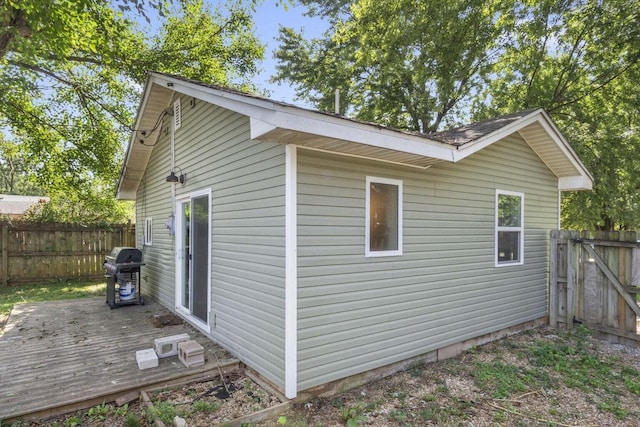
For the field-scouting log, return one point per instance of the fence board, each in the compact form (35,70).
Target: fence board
(33,252)
(600,268)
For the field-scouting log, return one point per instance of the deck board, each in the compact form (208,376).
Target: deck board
(65,354)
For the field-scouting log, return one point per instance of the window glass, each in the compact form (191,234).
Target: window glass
(509,227)
(384,217)
(508,210)
(508,246)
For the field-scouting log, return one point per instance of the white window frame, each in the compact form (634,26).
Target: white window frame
(148,232)
(368,252)
(519,229)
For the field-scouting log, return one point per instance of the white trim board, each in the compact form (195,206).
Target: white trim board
(291,273)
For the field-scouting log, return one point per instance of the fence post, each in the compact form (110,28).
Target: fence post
(4,276)
(573,256)
(553,279)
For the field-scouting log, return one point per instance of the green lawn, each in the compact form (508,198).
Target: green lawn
(50,291)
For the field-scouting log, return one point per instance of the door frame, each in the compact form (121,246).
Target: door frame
(186,313)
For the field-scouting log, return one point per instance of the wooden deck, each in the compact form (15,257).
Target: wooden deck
(66,355)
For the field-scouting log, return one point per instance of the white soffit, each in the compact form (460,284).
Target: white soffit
(539,132)
(155,100)
(277,122)
(267,117)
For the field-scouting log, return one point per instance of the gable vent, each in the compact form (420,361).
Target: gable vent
(177,114)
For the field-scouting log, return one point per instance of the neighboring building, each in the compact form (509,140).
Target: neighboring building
(14,207)
(315,247)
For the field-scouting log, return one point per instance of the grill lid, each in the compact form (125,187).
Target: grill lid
(124,255)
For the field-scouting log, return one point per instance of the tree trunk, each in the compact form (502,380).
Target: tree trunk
(15,24)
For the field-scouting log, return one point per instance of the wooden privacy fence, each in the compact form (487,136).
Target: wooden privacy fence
(34,252)
(593,280)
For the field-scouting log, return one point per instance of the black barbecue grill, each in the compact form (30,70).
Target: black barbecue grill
(123,277)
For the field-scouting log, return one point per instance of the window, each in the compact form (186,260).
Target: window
(148,231)
(383,217)
(509,228)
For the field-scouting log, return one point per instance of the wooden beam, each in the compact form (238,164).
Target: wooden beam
(612,278)
(632,289)
(613,331)
(612,243)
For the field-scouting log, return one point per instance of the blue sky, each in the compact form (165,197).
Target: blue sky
(267,20)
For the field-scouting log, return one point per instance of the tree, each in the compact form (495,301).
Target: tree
(14,173)
(71,73)
(580,60)
(426,65)
(605,130)
(409,65)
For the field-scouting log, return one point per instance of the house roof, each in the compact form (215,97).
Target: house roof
(473,131)
(285,123)
(17,205)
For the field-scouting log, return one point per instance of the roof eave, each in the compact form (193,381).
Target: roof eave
(580,179)
(284,123)
(575,183)
(140,112)
(143,121)
(270,119)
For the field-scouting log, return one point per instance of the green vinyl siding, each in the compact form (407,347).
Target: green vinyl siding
(246,178)
(153,200)
(357,313)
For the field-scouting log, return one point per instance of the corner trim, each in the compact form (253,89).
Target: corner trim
(291,273)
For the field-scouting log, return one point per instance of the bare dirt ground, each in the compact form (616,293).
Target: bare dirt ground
(542,377)
(537,378)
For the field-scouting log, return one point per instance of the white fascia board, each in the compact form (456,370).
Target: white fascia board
(126,195)
(339,128)
(267,116)
(573,183)
(495,136)
(243,104)
(259,128)
(547,124)
(143,102)
(564,145)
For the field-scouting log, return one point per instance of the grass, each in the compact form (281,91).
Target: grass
(566,361)
(165,411)
(516,382)
(49,291)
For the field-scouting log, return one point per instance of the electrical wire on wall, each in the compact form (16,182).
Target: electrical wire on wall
(146,133)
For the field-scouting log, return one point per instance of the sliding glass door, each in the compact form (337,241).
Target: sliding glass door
(193,256)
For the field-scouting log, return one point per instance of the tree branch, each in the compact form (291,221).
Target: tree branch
(557,90)
(634,61)
(14,25)
(77,87)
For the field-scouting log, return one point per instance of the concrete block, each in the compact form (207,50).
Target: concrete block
(168,346)
(179,422)
(191,353)
(449,351)
(146,358)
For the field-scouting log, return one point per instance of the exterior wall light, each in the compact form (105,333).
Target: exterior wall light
(173,178)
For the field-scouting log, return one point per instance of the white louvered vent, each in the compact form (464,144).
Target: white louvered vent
(177,114)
